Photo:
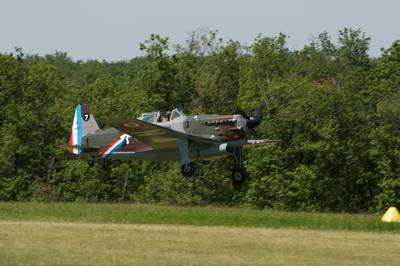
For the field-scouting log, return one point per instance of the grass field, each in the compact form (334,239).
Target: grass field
(135,234)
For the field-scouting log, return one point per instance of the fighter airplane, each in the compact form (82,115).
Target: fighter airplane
(173,137)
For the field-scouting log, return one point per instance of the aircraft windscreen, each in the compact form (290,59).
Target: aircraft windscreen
(176,113)
(149,117)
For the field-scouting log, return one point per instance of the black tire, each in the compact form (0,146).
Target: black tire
(188,169)
(238,176)
(91,162)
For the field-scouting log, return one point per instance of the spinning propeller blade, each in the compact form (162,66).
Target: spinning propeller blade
(255,118)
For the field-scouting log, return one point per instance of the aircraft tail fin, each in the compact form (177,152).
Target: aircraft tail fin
(83,125)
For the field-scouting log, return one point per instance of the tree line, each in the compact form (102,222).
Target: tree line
(334,107)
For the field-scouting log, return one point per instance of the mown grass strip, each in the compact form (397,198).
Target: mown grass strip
(201,216)
(64,243)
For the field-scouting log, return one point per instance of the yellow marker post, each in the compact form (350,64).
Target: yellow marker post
(391,215)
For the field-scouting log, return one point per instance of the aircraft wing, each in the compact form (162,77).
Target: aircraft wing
(160,138)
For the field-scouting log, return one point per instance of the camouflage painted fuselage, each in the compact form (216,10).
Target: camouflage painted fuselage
(224,131)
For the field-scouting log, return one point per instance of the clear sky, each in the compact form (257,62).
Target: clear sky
(112,30)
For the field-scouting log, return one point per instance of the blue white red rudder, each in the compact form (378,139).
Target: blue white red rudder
(84,124)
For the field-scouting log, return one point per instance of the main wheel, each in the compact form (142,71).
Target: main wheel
(91,162)
(188,169)
(238,176)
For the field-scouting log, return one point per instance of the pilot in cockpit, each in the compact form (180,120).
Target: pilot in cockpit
(166,117)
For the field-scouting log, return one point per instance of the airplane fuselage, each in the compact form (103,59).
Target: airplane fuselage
(227,131)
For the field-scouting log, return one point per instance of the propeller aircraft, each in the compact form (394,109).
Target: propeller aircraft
(175,136)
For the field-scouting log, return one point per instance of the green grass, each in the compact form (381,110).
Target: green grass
(63,243)
(146,234)
(198,216)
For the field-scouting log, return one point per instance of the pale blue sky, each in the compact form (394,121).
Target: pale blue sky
(112,30)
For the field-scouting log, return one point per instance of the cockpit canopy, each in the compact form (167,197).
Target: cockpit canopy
(154,117)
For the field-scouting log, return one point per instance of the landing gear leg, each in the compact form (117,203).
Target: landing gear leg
(239,172)
(188,168)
